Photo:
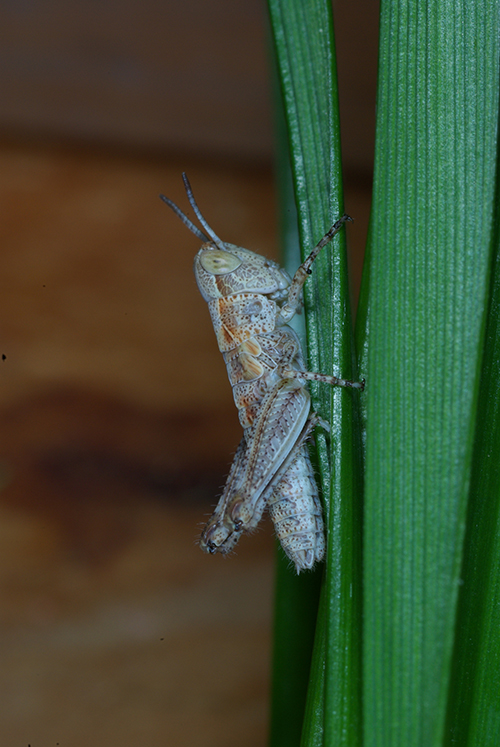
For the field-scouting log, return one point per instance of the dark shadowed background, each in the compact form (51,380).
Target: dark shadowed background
(117,418)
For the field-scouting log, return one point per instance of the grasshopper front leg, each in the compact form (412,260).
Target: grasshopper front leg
(287,370)
(289,309)
(293,373)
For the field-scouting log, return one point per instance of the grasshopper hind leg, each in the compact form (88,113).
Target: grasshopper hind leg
(221,533)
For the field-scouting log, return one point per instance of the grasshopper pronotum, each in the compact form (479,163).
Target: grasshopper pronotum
(251,299)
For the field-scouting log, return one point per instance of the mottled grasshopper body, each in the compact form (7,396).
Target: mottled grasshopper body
(251,300)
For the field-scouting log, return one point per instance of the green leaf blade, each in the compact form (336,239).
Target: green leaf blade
(303,35)
(474,715)
(430,252)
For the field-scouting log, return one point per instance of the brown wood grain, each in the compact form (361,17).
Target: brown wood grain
(190,77)
(117,428)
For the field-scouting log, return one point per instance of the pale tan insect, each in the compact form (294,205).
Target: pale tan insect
(251,299)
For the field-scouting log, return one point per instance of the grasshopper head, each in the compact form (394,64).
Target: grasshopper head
(222,269)
(220,273)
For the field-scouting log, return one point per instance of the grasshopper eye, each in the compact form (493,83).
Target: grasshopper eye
(218,262)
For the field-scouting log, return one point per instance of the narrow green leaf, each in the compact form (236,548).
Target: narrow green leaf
(430,240)
(474,717)
(296,598)
(296,603)
(303,39)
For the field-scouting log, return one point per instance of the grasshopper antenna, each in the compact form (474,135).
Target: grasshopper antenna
(200,217)
(202,236)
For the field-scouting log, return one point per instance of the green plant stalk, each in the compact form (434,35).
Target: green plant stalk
(303,40)
(430,245)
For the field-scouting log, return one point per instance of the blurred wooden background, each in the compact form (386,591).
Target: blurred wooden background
(117,419)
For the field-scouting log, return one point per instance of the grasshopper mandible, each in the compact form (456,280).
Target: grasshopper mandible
(251,299)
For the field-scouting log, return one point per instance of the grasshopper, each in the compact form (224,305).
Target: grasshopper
(251,299)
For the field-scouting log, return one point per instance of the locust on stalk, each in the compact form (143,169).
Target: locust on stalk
(251,299)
